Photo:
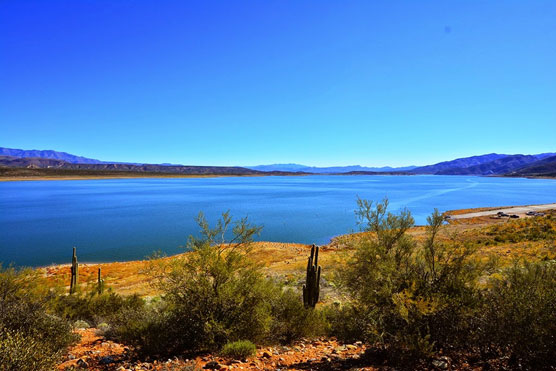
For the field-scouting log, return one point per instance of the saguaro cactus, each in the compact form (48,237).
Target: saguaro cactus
(74,272)
(100,283)
(311,288)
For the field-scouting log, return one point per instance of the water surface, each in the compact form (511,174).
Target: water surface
(126,219)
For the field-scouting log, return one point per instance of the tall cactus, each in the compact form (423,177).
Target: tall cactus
(100,283)
(74,272)
(311,288)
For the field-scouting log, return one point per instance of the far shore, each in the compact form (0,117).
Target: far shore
(97,177)
(135,175)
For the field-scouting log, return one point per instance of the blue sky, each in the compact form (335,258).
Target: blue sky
(246,83)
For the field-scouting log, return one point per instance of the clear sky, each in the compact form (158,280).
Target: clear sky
(246,83)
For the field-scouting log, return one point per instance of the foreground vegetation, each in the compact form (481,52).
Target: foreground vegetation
(409,294)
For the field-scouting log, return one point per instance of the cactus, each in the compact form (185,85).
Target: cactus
(100,283)
(74,272)
(311,288)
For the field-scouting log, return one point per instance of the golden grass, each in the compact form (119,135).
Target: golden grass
(288,260)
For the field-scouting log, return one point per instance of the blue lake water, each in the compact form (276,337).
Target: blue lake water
(126,219)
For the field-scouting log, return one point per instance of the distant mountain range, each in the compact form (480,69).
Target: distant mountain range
(53,164)
(328,170)
(460,163)
(53,155)
(492,164)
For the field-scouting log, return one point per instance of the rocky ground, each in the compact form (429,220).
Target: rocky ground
(94,352)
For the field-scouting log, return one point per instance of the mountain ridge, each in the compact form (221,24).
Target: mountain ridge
(47,154)
(8,162)
(491,164)
(328,169)
(542,168)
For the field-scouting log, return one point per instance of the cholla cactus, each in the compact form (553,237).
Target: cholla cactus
(311,288)
(74,272)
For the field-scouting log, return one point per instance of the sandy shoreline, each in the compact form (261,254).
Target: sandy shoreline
(519,210)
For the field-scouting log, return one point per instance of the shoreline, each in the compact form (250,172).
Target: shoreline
(458,214)
(100,177)
(23,178)
(520,210)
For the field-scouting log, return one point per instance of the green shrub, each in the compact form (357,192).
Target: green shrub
(102,328)
(92,307)
(347,323)
(413,298)
(213,295)
(80,324)
(519,315)
(30,338)
(21,352)
(239,349)
(149,329)
(292,321)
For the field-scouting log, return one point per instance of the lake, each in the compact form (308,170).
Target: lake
(127,219)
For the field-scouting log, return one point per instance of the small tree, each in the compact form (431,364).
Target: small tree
(406,295)
(217,292)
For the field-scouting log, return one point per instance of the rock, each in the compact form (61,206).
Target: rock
(82,363)
(212,365)
(440,363)
(106,360)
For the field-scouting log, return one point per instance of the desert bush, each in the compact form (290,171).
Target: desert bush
(526,229)
(346,322)
(21,352)
(292,321)
(239,349)
(410,297)
(80,324)
(149,329)
(518,315)
(30,338)
(92,307)
(217,292)
(213,295)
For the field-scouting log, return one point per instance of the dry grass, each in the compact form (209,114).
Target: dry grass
(505,239)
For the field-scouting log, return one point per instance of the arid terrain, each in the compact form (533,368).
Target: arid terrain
(503,237)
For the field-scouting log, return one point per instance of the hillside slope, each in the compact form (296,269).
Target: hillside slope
(41,163)
(48,154)
(490,164)
(458,163)
(545,167)
(500,166)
